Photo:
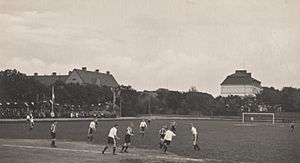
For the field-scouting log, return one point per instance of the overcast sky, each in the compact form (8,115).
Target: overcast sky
(154,44)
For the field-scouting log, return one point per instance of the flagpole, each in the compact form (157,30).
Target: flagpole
(52,96)
(120,106)
(114,98)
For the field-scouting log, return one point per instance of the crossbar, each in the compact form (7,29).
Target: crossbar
(273,116)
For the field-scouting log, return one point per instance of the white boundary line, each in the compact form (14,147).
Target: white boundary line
(98,152)
(48,148)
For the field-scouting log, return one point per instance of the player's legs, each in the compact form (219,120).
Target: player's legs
(128,144)
(114,146)
(292,128)
(124,146)
(142,132)
(166,144)
(109,141)
(173,129)
(91,135)
(195,144)
(88,134)
(161,143)
(31,125)
(53,136)
(105,148)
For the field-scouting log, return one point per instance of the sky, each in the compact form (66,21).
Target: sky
(151,44)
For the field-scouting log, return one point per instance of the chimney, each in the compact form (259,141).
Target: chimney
(97,70)
(83,68)
(241,71)
(53,73)
(70,72)
(107,72)
(36,74)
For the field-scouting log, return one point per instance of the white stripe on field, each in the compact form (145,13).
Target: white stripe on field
(58,149)
(98,152)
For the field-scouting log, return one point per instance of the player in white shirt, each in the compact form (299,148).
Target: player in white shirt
(111,139)
(91,130)
(168,139)
(195,137)
(129,133)
(31,121)
(143,126)
(28,118)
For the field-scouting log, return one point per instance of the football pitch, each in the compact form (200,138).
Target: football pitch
(220,141)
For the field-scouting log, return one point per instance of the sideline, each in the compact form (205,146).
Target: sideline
(107,119)
(122,154)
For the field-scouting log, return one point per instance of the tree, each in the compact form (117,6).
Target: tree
(290,99)
(16,86)
(184,108)
(269,96)
(129,101)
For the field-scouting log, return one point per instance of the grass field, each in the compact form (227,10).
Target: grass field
(226,141)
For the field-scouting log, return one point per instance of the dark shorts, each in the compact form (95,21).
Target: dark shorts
(292,126)
(173,128)
(127,138)
(195,137)
(142,128)
(90,131)
(167,142)
(110,140)
(53,135)
(162,136)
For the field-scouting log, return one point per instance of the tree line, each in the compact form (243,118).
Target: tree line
(16,87)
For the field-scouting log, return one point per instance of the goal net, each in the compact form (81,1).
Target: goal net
(256,117)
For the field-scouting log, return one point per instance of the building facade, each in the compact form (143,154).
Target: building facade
(50,79)
(240,83)
(83,76)
(79,76)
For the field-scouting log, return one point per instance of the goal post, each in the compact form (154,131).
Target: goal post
(270,114)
